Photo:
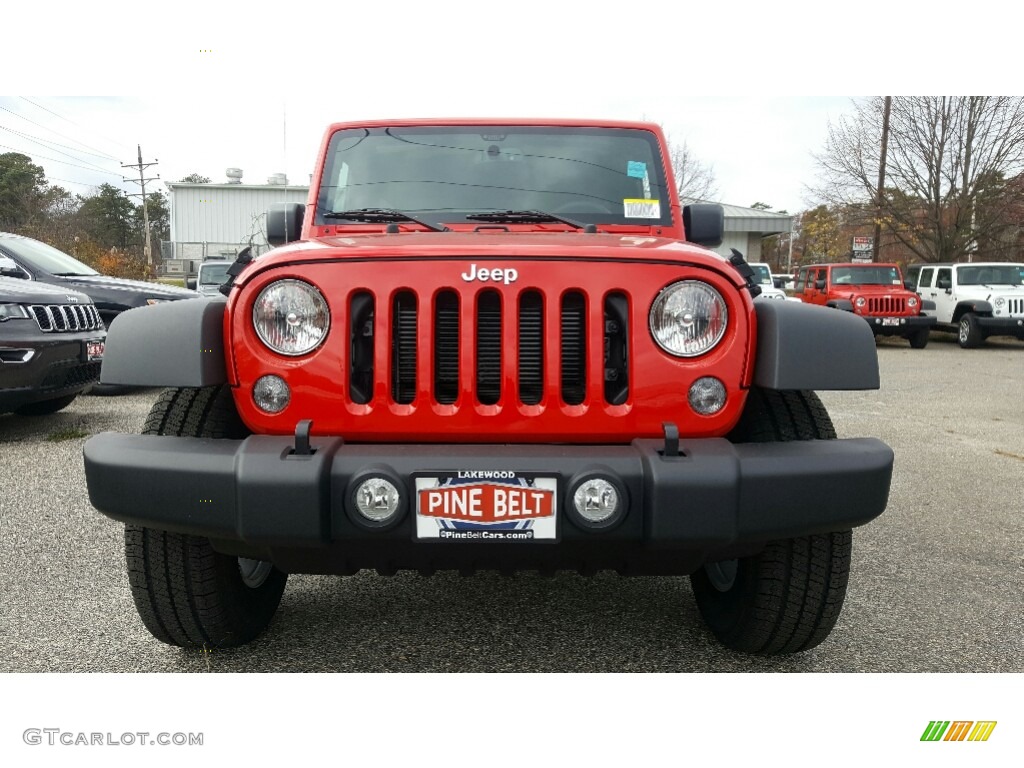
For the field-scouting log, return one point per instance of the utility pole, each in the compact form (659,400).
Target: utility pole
(141,181)
(881,179)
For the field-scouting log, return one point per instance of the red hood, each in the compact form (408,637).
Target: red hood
(499,245)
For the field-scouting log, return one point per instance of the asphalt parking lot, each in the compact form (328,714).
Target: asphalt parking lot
(937,582)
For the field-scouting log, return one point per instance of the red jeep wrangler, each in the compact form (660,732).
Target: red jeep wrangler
(490,344)
(872,291)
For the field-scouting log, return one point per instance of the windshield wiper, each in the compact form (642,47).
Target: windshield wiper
(525,217)
(381,215)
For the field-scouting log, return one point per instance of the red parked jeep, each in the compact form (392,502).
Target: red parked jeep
(490,344)
(872,291)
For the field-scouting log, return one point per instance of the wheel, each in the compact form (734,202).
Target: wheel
(919,339)
(46,407)
(186,593)
(786,598)
(970,335)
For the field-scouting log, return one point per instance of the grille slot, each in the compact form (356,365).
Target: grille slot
(63,318)
(574,348)
(1015,306)
(531,348)
(360,380)
(616,349)
(488,348)
(403,348)
(446,347)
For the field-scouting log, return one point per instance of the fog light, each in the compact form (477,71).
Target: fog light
(707,396)
(596,500)
(271,394)
(377,499)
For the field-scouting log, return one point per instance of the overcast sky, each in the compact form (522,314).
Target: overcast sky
(219,89)
(760,148)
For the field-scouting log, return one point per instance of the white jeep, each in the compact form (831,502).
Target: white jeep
(975,300)
(763,277)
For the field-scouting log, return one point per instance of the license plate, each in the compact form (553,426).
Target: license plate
(93,350)
(476,505)
(890,321)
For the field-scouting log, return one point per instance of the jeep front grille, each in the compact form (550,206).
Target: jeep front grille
(887,305)
(482,320)
(61,318)
(1015,306)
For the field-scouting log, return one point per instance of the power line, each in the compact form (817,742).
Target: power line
(40,106)
(69,138)
(62,162)
(43,143)
(54,143)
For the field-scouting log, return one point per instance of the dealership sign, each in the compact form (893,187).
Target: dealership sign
(863,244)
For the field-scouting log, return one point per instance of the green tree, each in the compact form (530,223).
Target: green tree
(22,190)
(108,218)
(159,218)
(195,178)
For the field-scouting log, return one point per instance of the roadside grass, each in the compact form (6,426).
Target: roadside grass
(70,433)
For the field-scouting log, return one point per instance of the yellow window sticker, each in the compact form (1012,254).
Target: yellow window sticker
(641,209)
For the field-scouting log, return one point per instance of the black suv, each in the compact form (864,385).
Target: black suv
(51,345)
(35,260)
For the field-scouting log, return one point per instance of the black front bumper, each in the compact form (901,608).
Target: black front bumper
(57,367)
(905,327)
(256,498)
(1002,326)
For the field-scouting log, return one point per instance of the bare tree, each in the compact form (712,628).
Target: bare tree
(694,179)
(952,175)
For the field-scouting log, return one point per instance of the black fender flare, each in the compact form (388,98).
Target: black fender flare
(803,346)
(843,304)
(978,307)
(173,344)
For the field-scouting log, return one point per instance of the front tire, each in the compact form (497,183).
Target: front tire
(919,339)
(970,334)
(786,598)
(186,593)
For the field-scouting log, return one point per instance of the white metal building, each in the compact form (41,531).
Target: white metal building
(211,221)
(745,228)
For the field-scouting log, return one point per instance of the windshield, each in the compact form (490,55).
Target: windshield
(213,274)
(592,175)
(762,273)
(876,275)
(991,274)
(45,257)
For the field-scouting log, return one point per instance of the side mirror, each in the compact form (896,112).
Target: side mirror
(284,223)
(190,283)
(944,285)
(909,285)
(819,284)
(704,223)
(9,268)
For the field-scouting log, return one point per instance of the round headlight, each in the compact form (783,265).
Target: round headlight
(1000,301)
(912,301)
(861,301)
(688,318)
(291,317)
